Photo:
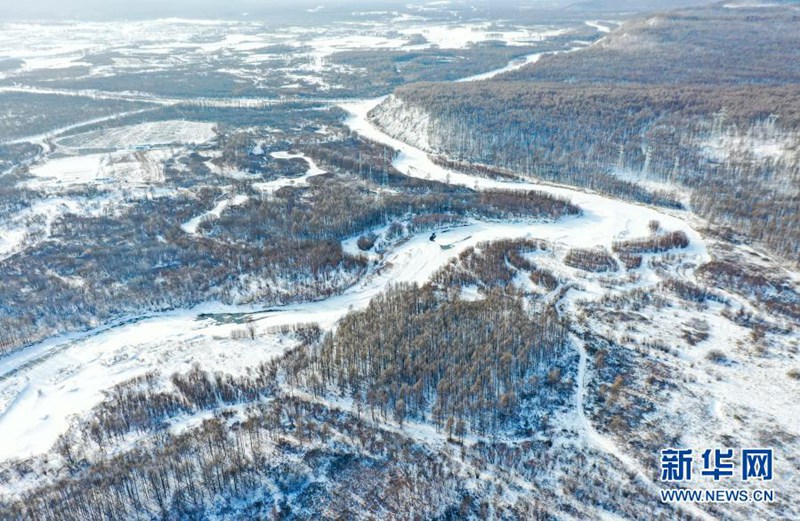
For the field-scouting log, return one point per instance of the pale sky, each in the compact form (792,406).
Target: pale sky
(122,9)
(12,9)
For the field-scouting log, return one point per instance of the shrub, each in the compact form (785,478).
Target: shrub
(596,260)
(366,242)
(654,244)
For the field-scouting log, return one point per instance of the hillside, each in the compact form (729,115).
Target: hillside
(699,108)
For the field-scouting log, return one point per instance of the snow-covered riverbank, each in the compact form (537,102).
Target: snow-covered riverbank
(44,384)
(58,378)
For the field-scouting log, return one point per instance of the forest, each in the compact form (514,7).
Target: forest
(139,258)
(353,73)
(400,411)
(627,112)
(24,114)
(224,295)
(331,423)
(413,354)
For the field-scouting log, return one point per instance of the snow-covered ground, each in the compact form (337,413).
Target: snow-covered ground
(604,219)
(760,143)
(158,45)
(76,370)
(745,386)
(459,36)
(267,187)
(69,170)
(270,187)
(42,386)
(119,177)
(644,179)
(32,225)
(36,402)
(192,225)
(40,138)
(515,64)
(752,5)
(44,375)
(608,445)
(602,27)
(106,170)
(143,135)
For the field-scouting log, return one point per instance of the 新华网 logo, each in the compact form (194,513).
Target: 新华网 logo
(682,466)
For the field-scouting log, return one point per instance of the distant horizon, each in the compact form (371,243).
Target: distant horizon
(99,10)
(115,10)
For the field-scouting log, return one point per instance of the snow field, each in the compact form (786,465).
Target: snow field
(143,135)
(67,375)
(37,402)
(108,170)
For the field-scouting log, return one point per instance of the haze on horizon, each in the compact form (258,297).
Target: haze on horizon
(142,9)
(238,9)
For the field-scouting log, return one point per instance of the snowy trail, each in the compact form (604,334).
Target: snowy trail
(272,186)
(515,64)
(191,226)
(609,446)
